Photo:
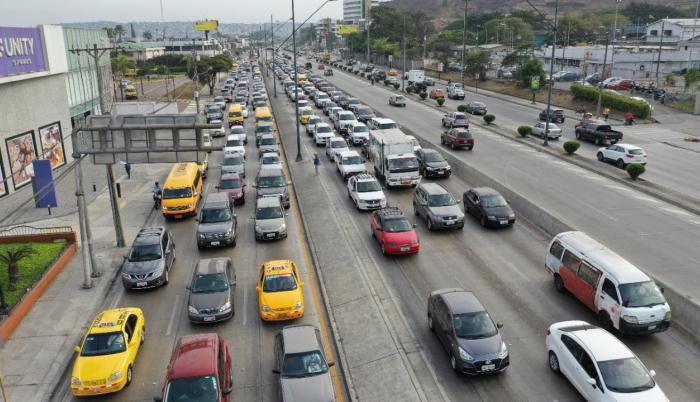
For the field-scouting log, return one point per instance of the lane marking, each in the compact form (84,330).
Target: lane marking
(117,301)
(173,314)
(245,305)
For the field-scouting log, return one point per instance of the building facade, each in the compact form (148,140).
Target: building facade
(356,10)
(140,52)
(673,31)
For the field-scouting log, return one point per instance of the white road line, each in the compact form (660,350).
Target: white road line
(245,305)
(117,301)
(173,314)
(645,198)
(675,211)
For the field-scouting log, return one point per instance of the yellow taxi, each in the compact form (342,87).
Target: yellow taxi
(305,113)
(392,72)
(279,288)
(106,357)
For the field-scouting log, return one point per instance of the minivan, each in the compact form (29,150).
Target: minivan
(181,191)
(235,115)
(217,222)
(437,206)
(622,296)
(271,183)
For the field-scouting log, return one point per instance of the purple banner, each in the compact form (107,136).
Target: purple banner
(21,51)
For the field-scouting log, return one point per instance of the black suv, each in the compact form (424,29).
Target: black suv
(464,327)
(432,164)
(556,115)
(149,261)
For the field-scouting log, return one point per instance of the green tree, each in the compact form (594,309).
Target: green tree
(530,66)
(12,257)
(645,13)
(513,59)
(691,77)
(477,62)
(384,47)
(110,33)
(119,31)
(208,69)
(121,64)
(147,35)
(510,30)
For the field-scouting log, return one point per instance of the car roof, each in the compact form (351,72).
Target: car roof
(209,266)
(275,267)
(430,151)
(433,188)
(484,191)
(149,235)
(111,320)
(270,154)
(213,200)
(268,202)
(229,176)
(383,119)
(337,139)
(365,177)
(300,338)
(323,125)
(628,146)
(601,344)
(269,172)
(194,356)
(460,301)
(264,136)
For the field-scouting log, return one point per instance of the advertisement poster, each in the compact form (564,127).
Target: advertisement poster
(3,185)
(51,140)
(21,151)
(21,51)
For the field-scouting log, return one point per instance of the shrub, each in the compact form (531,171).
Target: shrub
(524,131)
(635,170)
(423,95)
(386,82)
(362,75)
(440,101)
(571,146)
(409,90)
(489,118)
(462,108)
(623,103)
(397,85)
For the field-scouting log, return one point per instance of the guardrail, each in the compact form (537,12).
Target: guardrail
(24,230)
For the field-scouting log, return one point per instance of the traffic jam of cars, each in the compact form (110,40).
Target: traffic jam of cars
(623,298)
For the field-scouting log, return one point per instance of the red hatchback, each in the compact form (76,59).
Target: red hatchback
(394,232)
(622,84)
(232,184)
(199,370)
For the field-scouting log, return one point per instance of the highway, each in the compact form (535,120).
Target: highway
(503,267)
(250,339)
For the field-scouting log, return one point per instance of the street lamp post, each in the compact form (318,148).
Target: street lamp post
(272,40)
(296,83)
(464,39)
(403,51)
(614,38)
(600,88)
(550,80)
(661,41)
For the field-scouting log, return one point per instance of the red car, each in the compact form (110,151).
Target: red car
(199,370)
(394,232)
(457,138)
(321,67)
(234,186)
(622,84)
(436,93)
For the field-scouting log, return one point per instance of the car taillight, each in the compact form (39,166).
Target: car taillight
(548,332)
(629,155)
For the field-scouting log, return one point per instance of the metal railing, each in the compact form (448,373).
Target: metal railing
(23,230)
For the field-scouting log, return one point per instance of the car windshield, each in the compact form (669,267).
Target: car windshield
(441,200)
(493,201)
(339,144)
(360,129)
(192,389)
(103,344)
(641,294)
(625,375)
(385,126)
(460,116)
(228,184)
(236,160)
(279,283)
(368,186)
(214,215)
(323,129)
(352,160)
(234,143)
(270,181)
(209,283)
(145,252)
(346,116)
(263,129)
(474,325)
(182,192)
(270,160)
(478,104)
(313,120)
(306,364)
(268,141)
(403,165)
(395,225)
(463,134)
(269,213)
(234,114)
(237,130)
(433,157)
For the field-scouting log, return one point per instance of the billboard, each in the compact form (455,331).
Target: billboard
(206,25)
(51,140)
(21,51)
(347,29)
(21,152)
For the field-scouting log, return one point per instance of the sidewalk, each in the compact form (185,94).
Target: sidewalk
(37,355)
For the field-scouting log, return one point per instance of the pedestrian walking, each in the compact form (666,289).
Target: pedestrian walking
(372,80)
(317,162)
(606,113)
(127,167)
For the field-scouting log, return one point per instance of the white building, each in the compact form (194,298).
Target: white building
(676,31)
(356,10)
(142,51)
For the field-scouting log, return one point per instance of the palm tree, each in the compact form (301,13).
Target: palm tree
(119,31)
(12,257)
(147,35)
(110,33)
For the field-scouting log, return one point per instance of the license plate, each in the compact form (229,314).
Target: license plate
(270,235)
(215,243)
(210,318)
(503,222)
(450,222)
(141,283)
(404,248)
(405,181)
(650,327)
(94,390)
(283,315)
(178,216)
(488,367)
(441,171)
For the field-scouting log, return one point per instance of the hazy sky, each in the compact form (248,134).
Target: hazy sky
(20,13)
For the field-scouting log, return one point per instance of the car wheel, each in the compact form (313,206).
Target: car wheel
(143,335)
(600,157)
(604,321)
(620,163)
(470,147)
(453,362)
(452,125)
(482,221)
(452,145)
(577,135)
(553,362)
(613,142)
(430,323)
(166,275)
(128,376)
(430,224)
(558,283)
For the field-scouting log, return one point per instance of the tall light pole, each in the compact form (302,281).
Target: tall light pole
(551,73)
(614,38)
(403,51)
(272,44)
(695,22)
(367,27)
(600,88)
(661,41)
(464,40)
(296,83)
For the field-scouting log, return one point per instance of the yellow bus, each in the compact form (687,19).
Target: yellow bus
(182,191)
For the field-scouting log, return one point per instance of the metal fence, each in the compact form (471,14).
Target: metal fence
(30,231)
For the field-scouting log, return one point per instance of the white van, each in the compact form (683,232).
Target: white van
(621,294)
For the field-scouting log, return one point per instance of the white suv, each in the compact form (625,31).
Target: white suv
(349,163)
(599,365)
(234,145)
(358,132)
(342,120)
(622,154)
(322,132)
(365,192)
(380,123)
(334,146)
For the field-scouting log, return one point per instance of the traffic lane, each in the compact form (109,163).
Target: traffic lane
(614,214)
(516,257)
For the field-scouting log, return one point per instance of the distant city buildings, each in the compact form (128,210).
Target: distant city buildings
(356,10)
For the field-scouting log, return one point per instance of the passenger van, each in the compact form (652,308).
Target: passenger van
(235,115)
(263,114)
(182,191)
(301,78)
(620,294)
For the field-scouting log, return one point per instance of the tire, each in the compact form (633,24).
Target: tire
(128,376)
(452,145)
(553,362)
(577,135)
(613,142)
(600,157)
(166,280)
(430,224)
(620,163)
(143,335)
(559,284)
(604,321)
(430,323)
(442,141)
(383,249)
(470,147)
(482,221)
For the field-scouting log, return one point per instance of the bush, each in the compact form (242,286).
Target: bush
(489,118)
(423,95)
(409,90)
(641,109)
(635,170)
(440,101)
(386,82)
(397,85)
(462,108)
(571,146)
(524,131)
(362,75)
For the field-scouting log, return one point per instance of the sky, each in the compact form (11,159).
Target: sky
(27,13)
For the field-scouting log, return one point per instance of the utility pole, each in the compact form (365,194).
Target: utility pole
(464,40)
(195,75)
(403,51)
(661,41)
(274,80)
(296,84)
(695,22)
(566,44)
(367,25)
(600,88)
(614,38)
(551,73)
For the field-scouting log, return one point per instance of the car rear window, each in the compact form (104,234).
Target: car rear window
(634,151)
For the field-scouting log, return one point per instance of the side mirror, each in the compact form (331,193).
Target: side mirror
(302,283)
(196,219)
(188,287)
(258,289)
(661,289)
(458,201)
(415,226)
(276,371)
(289,183)
(591,381)
(652,373)
(77,349)
(499,325)
(255,185)
(331,364)
(227,391)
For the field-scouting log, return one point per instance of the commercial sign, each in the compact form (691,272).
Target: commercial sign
(347,29)
(535,82)
(206,25)
(21,51)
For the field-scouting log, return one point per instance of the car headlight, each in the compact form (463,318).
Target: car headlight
(297,304)
(226,306)
(192,310)
(630,319)
(75,381)
(491,217)
(283,228)
(464,355)
(511,216)
(125,275)
(229,232)
(503,352)
(115,376)
(667,316)
(265,308)
(414,242)
(201,236)
(258,229)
